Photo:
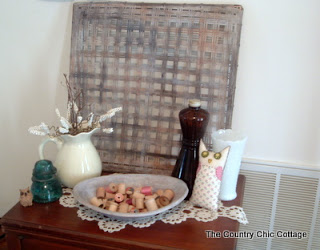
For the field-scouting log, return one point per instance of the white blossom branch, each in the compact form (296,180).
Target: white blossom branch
(65,123)
(107,130)
(109,114)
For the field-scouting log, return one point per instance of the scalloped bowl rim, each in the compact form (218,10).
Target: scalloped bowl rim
(86,189)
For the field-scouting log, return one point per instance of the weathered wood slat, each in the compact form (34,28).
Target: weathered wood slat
(151,59)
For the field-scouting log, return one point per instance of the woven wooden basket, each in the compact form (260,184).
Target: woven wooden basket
(151,59)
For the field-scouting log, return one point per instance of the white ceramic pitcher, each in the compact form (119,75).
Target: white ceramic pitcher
(77,158)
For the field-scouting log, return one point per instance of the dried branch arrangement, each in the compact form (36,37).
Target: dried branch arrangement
(74,123)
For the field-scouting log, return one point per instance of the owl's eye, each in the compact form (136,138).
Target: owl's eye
(21,193)
(217,156)
(205,154)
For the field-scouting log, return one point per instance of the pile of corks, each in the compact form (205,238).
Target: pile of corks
(119,198)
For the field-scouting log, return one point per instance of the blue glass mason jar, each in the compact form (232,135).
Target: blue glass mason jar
(45,184)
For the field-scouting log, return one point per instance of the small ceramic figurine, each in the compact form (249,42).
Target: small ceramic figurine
(26,197)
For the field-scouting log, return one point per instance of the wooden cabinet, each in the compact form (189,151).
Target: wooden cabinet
(52,226)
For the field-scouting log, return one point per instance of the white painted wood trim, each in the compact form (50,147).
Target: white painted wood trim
(280,164)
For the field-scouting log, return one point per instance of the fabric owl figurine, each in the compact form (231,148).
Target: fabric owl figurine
(26,197)
(208,179)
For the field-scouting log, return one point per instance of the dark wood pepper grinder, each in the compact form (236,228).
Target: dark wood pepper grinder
(193,121)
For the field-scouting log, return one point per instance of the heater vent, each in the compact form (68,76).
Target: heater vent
(257,203)
(282,199)
(316,234)
(295,206)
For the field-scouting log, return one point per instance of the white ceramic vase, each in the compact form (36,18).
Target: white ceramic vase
(236,141)
(77,158)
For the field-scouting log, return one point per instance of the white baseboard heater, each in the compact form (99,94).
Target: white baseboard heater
(281,200)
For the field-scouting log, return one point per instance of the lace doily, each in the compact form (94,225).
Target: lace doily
(175,215)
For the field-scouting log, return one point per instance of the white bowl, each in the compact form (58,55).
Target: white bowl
(86,189)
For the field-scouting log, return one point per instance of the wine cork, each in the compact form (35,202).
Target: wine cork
(138,195)
(100,192)
(146,190)
(108,202)
(164,201)
(113,206)
(118,197)
(129,201)
(169,194)
(129,190)
(96,202)
(109,195)
(160,192)
(123,207)
(151,204)
(158,202)
(113,187)
(154,196)
(139,203)
(122,188)
(105,203)
(108,190)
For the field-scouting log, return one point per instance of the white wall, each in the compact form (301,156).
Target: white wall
(34,48)
(278,81)
(275,104)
